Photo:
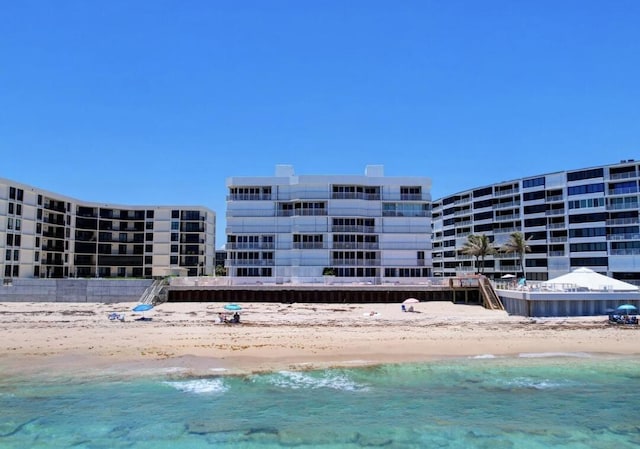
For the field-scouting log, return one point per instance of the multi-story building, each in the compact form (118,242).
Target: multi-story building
(48,235)
(360,228)
(577,218)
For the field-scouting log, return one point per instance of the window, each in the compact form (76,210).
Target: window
(585,174)
(9,223)
(534,182)
(175,214)
(175,225)
(584,189)
(16,255)
(173,260)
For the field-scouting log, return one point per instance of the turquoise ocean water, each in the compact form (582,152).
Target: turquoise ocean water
(522,402)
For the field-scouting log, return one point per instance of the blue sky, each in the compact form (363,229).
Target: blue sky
(158,102)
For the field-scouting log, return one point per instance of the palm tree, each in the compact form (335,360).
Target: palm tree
(478,246)
(517,244)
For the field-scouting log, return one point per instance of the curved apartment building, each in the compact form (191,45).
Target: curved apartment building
(48,235)
(576,218)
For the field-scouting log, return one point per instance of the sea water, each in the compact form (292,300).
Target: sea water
(557,401)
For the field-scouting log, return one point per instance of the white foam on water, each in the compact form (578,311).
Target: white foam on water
(199,386)
(300,380)
(484,356)
(535,384)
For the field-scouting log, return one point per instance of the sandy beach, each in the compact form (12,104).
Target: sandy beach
(187,337)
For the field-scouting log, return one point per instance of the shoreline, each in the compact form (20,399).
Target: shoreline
(187,339)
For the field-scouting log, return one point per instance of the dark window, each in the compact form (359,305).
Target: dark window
(589,188)
(533,182)
(585,174)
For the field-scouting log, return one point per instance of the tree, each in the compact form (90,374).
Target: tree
(221,270)
(478,246)
(517,244)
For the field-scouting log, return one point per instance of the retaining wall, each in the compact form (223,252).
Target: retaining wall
(74,290)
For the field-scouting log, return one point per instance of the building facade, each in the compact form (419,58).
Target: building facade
(577,218)
(48,235)
(359,228)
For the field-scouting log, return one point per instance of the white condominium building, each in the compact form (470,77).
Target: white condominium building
(571,219)
(360,228)
(48,235)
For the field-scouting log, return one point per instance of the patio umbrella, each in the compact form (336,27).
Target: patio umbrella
(410,301)
(628,309)
(143,308)
(233,307)
(508,276)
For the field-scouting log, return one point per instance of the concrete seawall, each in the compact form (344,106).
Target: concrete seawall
(74,290)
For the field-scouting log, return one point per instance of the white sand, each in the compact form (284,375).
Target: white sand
(44,337)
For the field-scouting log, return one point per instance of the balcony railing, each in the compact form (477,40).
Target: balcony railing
(309,245)
(249,197)
(631,236)
(251,245)
(618,206)
(255,263)
(355,196)
(623,221)
(356,262)
(355,245)
(301,212)
(348,228)
(625,175)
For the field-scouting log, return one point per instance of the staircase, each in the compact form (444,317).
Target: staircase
(156,293)
(490,299)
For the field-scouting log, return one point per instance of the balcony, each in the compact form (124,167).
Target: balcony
(355,196)
(631,236)
(250,245)
(301,212)
(617,206)
(355,245)
(354,228)
(309,245)
(623,221)
(253,263)
(356,262)
(249,197)
(625,175)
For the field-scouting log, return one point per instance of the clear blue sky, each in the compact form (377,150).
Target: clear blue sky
(158,102)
